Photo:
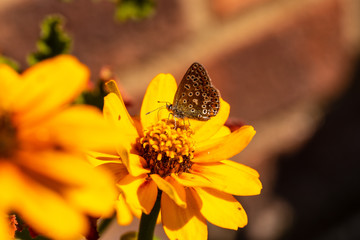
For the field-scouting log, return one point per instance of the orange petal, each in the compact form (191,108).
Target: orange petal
(225,147)
(147,193)
(139,192)
(10,85)
(172,188)
(182,223)
(230,177)
(206,129)
(232,214)
(123,213)
(162,88)
(47,212)
(50,84)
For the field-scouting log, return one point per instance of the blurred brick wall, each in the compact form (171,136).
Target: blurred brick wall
(277,62)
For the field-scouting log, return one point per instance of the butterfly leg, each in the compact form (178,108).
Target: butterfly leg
(173,118)
(174,122)
(184,122)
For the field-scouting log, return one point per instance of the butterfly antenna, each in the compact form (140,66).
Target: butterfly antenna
(154,110)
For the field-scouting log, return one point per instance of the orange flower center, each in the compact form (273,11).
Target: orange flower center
(8,141)
(166,149)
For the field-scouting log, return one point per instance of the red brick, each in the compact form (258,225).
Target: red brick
(304,58)
(98,39)
(226,8)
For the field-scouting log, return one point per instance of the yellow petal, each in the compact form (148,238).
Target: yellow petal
(206,129)
(123,213)
(115,112)
(97,158)
(224,147)
(182,223)
(241,167)
(10,85)
(223,131)
(79,126)
(162,88)
(191,180)
(232,214)
(134,165)
(4,226)
(45,210)
(58,166)
(172,188)
(92,190)
(139,192)
(97,200)
(7,192)
(118,170)
(230,177)
(104,156)
(49,85)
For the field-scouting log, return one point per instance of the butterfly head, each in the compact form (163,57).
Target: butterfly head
(175,112)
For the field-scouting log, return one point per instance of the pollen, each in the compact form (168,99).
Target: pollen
(167,149)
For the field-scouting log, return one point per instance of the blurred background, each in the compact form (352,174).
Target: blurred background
(290,68)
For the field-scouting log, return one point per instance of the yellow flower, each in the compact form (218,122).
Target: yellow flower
(188,164)
(44,176)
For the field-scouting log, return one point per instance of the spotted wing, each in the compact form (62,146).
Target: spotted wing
(196,97)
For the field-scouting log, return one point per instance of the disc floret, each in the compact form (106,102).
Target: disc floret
(167,149)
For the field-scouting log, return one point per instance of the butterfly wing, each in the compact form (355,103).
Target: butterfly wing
(196,97)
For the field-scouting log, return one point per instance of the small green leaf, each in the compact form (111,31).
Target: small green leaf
(53,40)
(134,9)
(94,97)
(129,236)
(12,63)
(25,233)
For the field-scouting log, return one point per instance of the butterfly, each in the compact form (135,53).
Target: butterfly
(196,98)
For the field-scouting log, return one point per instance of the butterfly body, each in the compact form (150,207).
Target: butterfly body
(196,98)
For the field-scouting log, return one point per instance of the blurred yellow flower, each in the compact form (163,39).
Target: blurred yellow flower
(188,164)
(43,174)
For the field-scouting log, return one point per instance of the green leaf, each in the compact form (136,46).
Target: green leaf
(53,40)
(134,9)
(94,97)
(12,63)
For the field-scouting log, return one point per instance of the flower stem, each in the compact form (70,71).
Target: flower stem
(148,222)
